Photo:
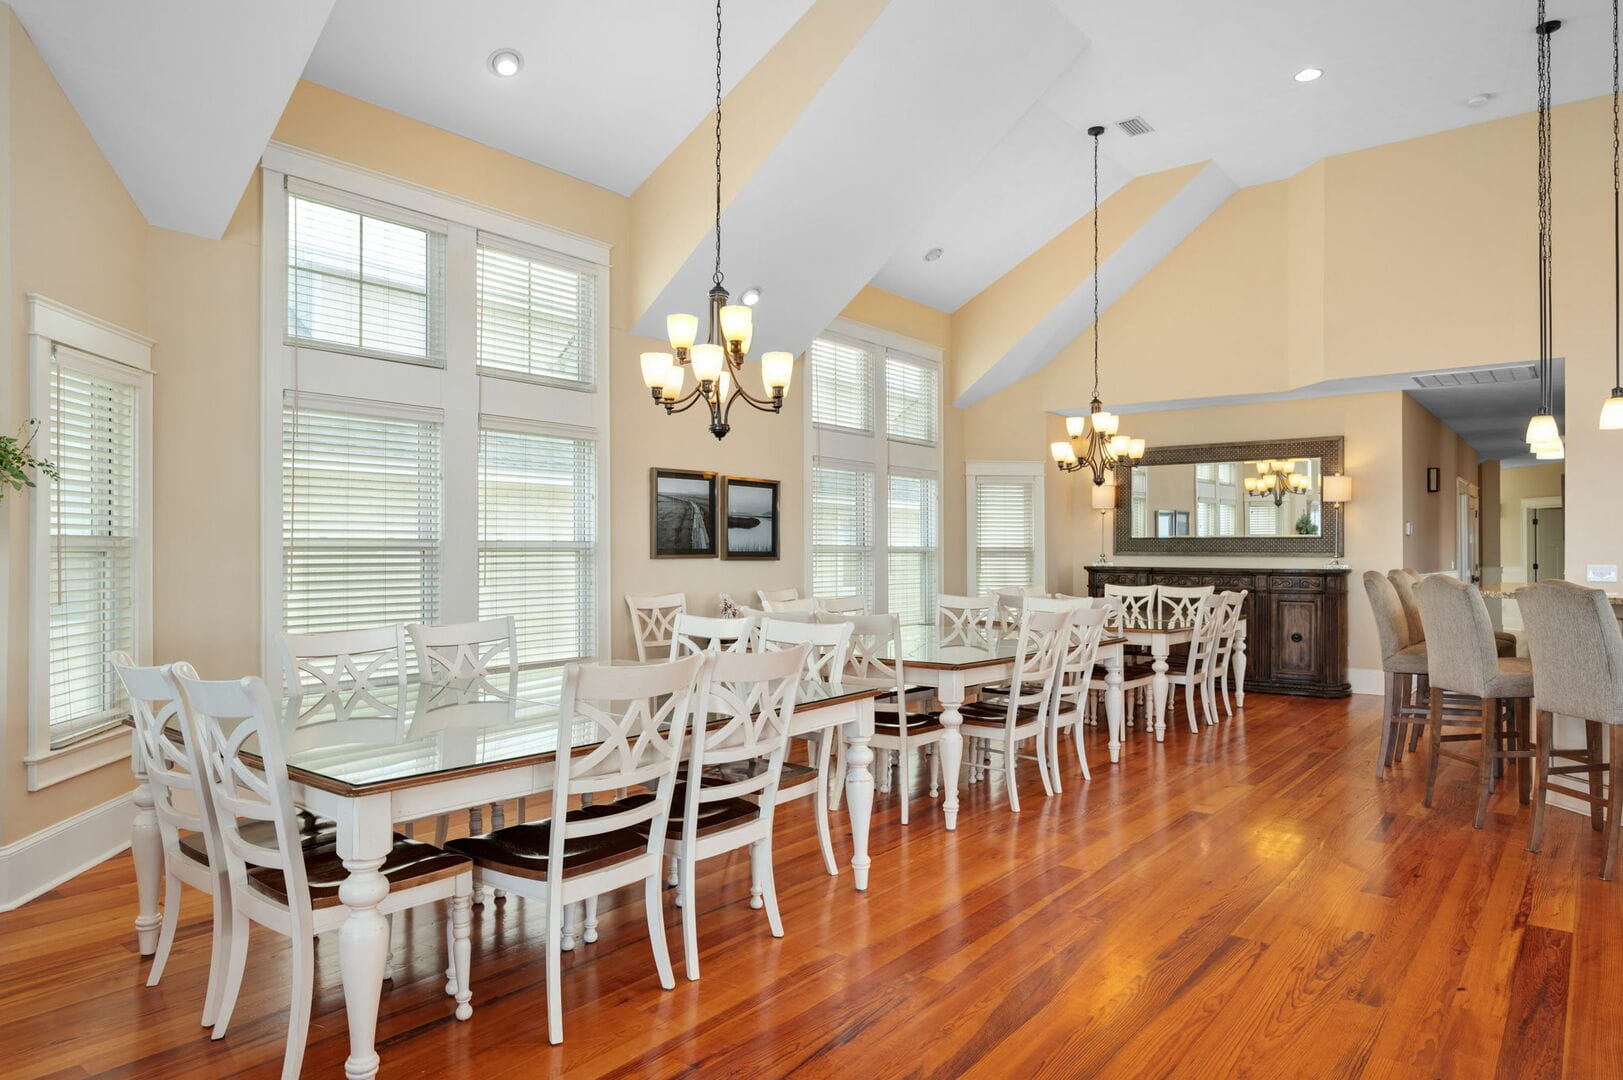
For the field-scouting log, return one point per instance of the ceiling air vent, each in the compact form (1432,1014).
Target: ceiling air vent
(1135,126)
(1478,377)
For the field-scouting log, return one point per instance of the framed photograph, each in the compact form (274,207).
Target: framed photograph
(751,524)
(683,514)
(1434,479)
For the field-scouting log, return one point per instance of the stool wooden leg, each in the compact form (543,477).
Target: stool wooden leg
(1389,726)
(1434,724)
(1614,804)
(1485,763)
(1524,765)
(1546,732)
(1421,690)
(1593,742)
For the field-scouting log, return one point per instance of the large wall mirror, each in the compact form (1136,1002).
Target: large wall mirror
(1257,498)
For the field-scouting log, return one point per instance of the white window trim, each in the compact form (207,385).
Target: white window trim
(876,451)
(459,391)
(128,357)
(973,470)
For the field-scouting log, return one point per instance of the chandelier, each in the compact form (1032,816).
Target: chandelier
(1096,442)
(717,363)
(1543,433)
(1277,479)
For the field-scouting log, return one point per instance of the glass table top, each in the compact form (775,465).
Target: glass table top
(347,742)
(932,647)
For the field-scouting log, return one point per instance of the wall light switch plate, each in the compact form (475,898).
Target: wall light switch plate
(1602,572)
(1408,528)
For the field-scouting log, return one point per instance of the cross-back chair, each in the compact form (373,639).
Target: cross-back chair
(964,620)
(653,620)
(704,633)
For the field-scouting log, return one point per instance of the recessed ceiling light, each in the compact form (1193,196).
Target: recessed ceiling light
(1476,101)
(752,295)
(505,63)
(1308,74)
(932,255)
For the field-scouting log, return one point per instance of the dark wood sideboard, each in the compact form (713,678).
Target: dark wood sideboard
(1296,621)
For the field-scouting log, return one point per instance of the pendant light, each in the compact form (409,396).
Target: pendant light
(1611,413)
(1543,433)
(1096,443)
(718,363)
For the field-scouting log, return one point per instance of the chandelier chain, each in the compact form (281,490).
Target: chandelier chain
(1096,268)
(716,277)
(1617,228)
(1545,244)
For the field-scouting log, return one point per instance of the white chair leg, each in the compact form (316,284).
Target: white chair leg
(236,962)
(442,829)
(935,773)
(462,948)
(555,932)
(1042,762)
(1189,698)
(219,942)
(171,916)
(761,857)
(1050,736)
(1228,706)
(569,929)
(656,937)
(1208,691)
(824,838)
(690,915)
(523,809)
(675,878)
(388,957)
(836,758)
(1008,773)
(589,928)
(904,778)
(298,1015)
(757,886)
(406,829)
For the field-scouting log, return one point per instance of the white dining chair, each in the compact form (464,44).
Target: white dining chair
(1138,602)
(1072,683)
(628,724)
(1010,605)
(278,883)
(808,606)
(743,707)
(1177,603)
(825,661)
(963,620)
(704,633)
(771,596)
(342,673)
(1024,714)
(842,605)
(1227,635)
(898,729)
(1199,673)
(652,620)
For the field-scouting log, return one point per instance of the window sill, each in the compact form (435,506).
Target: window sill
(76,759)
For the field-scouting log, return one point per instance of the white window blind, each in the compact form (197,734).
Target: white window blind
(912,400)
(360,518)
(1262,518)
(93,521)
(842,531)
(1004,524)
(537,315)
(912,516)
(842,385)
(538,541)
(363,277)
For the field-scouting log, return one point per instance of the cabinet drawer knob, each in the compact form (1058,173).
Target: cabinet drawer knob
(1296,638)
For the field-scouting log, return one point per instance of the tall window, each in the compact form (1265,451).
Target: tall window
(1005,525)
(842,531)
(874,481)
(360,518)
(409,495)
(538,540)
(92,564)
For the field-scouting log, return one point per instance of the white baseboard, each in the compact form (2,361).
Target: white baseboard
(1367,681)
(39,863)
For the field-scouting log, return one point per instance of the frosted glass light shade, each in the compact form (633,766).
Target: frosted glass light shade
(1337,488)
(1119,445)
(1075,425)
(1555,451)
(1104,496)
(777,368)
(1542,429)
(1105,423)
(1062,452)
(1252,484)
(707,362)
(681,330)
(1136,450)
(656,368)
(1611,413)
(736,320)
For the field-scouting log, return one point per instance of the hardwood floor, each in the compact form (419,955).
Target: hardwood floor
(1245,902)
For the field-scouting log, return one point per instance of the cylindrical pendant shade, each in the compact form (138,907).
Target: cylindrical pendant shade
(1611,414)
(1104,496)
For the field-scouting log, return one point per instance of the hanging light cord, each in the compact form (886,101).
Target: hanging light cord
(717,276)
(1096,267)
(1546,300)
(1617,262)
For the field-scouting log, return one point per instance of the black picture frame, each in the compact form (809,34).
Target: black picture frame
(682,514)
(760,536)
(1434,479)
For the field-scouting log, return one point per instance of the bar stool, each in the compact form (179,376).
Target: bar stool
(1578,672)
(1403,660)
(1463,659)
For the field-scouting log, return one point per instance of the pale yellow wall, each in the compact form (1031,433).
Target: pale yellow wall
(1429,443)
(76,237)
(1527,482)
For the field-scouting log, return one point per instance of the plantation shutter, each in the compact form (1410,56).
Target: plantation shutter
(536,314)
(92,521)
(364,277)
(360,517)
(1005,532)
(538,540)
(911,399)
(842,385)
(912,514)
(1262,518)
(842,531)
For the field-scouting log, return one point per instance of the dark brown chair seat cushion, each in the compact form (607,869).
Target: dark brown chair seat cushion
(982,714)
(713,816)
(409,862)
(917,724)
(525,850)
(313,832)
(793,772)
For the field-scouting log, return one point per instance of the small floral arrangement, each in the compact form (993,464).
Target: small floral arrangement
(729,607)
(17,461)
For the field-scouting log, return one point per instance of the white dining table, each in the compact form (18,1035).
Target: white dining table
(1160,635)
(450,746)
